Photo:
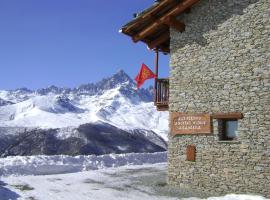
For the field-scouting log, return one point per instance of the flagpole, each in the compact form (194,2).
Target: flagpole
(156,72)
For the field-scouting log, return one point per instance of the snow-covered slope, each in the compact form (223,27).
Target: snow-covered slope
(114,177)
(88,139)
(114,100)
(58,164)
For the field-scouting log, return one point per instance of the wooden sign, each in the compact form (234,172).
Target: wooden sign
(190,123)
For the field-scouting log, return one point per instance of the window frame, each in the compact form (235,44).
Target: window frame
(222,119)
(222,130)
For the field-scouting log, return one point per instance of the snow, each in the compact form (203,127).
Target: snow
(139,182)
(37,165)
(45,111)
(113,176)
(232,197)
(102,184)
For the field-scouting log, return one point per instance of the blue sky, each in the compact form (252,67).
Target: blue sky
(68,42)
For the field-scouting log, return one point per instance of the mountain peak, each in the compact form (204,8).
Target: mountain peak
(121,77)
(121,80)
(23,90)
(121,71)
(115,80)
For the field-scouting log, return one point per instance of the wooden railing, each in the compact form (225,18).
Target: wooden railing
(162,94)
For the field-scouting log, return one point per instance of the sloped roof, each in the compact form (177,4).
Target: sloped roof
(152,26)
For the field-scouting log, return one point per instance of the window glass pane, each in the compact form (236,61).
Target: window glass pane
(231,128)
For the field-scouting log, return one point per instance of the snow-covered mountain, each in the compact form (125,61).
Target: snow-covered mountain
(110,116)
(114,100)
(87,139)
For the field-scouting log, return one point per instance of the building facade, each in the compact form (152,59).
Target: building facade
(220,67)
(221,64)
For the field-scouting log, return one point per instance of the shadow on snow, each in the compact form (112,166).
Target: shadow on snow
(7,194)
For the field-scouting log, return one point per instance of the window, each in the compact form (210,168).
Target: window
(227,129)
(228,125)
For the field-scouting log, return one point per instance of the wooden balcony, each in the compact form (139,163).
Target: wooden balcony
(162,94)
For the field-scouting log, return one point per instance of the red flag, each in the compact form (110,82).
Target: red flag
(144,74)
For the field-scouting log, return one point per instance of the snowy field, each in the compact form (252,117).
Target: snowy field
(59,164)
(93,177)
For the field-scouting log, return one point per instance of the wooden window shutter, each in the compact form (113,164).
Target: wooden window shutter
(191,153)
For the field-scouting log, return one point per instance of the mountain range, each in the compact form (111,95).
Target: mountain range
(113,104)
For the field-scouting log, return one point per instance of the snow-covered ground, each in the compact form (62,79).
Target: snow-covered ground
(94,177)
(43,165)
(127,183)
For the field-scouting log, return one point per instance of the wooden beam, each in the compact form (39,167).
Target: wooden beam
(149,14)
(188,10)
(156,72)
(163,38)
(161,5)
(174,12)
(165,49)
(235,115)
(174,23)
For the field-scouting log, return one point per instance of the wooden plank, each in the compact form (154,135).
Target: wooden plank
(235,115)
(174,12)
(163,38)
(149,14)
(156,72)
(160,6)
(162,92)
(174,23)
(162,107)
(191,153)
(159,92)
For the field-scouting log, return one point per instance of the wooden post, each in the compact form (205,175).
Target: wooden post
(156,72)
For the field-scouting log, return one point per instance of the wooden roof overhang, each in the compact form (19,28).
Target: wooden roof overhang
(152,26)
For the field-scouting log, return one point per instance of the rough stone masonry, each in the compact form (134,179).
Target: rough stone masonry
(221,64)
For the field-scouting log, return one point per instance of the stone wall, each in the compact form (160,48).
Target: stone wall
(221,64)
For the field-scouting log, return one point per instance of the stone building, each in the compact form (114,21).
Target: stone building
(219,91)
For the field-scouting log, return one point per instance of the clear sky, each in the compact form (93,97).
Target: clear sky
(68,42)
